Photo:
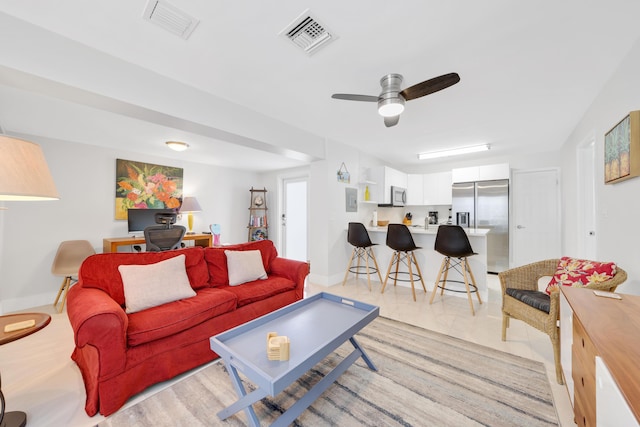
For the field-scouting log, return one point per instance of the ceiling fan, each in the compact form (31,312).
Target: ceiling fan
(391,100)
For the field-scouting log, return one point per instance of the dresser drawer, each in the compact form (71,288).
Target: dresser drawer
(584,376)
(581,413)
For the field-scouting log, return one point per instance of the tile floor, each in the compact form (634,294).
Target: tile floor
(38,376)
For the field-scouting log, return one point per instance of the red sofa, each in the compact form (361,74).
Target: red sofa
(121,354)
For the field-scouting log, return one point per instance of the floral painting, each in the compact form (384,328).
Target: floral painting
(146,186)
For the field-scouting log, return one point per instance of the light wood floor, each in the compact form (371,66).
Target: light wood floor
(39,378)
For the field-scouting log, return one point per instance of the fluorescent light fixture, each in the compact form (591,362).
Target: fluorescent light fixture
(177,145)
(453,152)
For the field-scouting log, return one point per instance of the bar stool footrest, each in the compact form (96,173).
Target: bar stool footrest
(392,275)
(362,269)
(473,288)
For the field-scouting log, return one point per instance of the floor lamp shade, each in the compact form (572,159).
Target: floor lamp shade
(24,174)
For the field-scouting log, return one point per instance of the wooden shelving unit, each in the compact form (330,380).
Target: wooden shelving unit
(258,225)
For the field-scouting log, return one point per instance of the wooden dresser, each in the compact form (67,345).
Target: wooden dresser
(609,329)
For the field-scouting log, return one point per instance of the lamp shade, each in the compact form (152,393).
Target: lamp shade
(24,174)
(190,204)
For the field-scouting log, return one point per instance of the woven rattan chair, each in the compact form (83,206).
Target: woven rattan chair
(526,278)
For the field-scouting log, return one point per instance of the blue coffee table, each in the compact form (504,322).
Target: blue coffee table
(316,326)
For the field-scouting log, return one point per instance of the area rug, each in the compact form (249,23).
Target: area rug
(424,379)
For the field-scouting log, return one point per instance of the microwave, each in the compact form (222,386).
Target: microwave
(398,196)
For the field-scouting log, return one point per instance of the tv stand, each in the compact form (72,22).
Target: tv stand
(110,244)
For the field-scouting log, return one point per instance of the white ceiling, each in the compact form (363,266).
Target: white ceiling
(528,70)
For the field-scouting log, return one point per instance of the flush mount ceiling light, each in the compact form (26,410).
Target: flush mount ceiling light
(390,101)
(390,107)
(177,145)
(453,152)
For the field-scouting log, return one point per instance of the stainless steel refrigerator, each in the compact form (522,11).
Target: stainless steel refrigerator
(485,204)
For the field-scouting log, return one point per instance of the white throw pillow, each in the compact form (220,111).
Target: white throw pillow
(147,286)
(244,266)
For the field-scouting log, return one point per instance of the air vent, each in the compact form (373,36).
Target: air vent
(170,18)
(307,33)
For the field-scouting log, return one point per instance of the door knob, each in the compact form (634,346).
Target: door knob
(520,226)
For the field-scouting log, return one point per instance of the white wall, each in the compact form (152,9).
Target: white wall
(617,205)
(85,178)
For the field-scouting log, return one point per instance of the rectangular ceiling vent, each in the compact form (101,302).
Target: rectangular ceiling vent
(307,33)
(170,18)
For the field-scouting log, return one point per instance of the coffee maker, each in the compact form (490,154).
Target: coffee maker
(433,217)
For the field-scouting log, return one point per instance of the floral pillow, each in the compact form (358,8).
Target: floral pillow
(579,273)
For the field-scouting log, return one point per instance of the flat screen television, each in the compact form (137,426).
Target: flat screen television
(139,219)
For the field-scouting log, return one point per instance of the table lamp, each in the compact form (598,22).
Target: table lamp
(190,205)
(24,175)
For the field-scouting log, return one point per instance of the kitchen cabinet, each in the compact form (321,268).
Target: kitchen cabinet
(386,177)
(429,189)
(491,172)
(481,173)
(437,188)
(471,174)
(415,189)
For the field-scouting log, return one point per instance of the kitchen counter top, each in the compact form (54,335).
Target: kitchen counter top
(419,229)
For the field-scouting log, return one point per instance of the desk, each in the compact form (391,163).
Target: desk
(110,244)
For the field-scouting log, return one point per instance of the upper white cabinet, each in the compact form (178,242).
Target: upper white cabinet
(415,189)
(386,177)
(489,172)
(429,189)
(437,188)
(481,173)
(471,174)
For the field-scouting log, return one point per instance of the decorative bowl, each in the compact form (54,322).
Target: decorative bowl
(383,223)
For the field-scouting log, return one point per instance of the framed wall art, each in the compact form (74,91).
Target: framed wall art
(146,186)
(622,150)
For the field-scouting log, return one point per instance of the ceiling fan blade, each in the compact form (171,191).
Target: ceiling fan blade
(351,97)
(430,86)
(391,121)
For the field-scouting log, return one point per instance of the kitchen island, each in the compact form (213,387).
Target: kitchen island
(430,260)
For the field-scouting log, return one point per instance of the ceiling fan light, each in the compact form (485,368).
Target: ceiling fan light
(453,152)
(391,107)
(177,145)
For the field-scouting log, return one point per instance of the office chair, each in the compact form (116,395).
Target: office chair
(69,257)
(166,236)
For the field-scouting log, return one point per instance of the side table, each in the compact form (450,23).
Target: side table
(17,418)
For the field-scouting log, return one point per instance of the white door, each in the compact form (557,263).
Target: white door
(587,238)
(294,218)
(535,228)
